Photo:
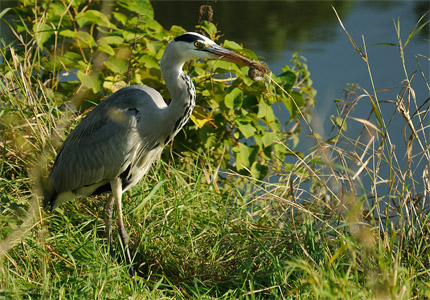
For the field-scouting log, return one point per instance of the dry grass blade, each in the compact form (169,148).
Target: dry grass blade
(364,57)
(364,164)
(367,124)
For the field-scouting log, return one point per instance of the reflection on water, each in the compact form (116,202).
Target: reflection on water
(269,26)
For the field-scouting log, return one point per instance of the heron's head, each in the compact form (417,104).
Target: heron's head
(192,45)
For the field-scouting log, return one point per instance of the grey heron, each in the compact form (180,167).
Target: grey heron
(113,147)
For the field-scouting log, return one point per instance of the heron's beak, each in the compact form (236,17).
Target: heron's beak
(223,54)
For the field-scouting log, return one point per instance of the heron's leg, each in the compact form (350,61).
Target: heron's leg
(117,193)
(108,222)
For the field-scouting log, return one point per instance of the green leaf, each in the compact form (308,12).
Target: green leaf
(209,28)
(279,149)
(245,156)
(120,17)
(386,44)
(199,117)
(208,136)
(56,12)
(116,65)
(378,116)
(4,11)
(220,66)
(298,98)
(265,111)
(42,33)
(299,101)
(269,138)
(91,81)
(288,79)
(415,32)
(149,61)
(177,30)
(141,7)
(249,54)
(258,170)
(339,122)
(81,35)
(68,33)
(107,49)
(69,60)
(231,45)
(246,128)
(152,24)
(234,98)
(110,40)
(92,17)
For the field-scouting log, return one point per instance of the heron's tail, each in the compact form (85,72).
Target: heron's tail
(49,194)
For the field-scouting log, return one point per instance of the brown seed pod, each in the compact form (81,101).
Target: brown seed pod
(257,71)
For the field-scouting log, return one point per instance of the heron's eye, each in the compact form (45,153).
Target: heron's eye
(198,44)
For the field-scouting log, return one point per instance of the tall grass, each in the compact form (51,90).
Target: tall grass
(350,220)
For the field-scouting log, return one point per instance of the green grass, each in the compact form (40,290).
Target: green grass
(333,226)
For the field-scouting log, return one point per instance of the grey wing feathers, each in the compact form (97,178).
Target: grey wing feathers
(102,146)
(91,159)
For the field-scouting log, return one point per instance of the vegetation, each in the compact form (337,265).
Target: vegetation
(233,122)
(224,216)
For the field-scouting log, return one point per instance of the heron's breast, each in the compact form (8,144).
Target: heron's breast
(139,167)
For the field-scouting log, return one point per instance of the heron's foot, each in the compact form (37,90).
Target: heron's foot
(108,234)
(129,261)
(113,252)
(111,247)
(124,240)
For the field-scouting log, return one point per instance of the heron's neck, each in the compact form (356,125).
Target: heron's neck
(179,84)
(183,94)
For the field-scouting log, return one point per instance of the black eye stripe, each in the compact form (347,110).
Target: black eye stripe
(187,37)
